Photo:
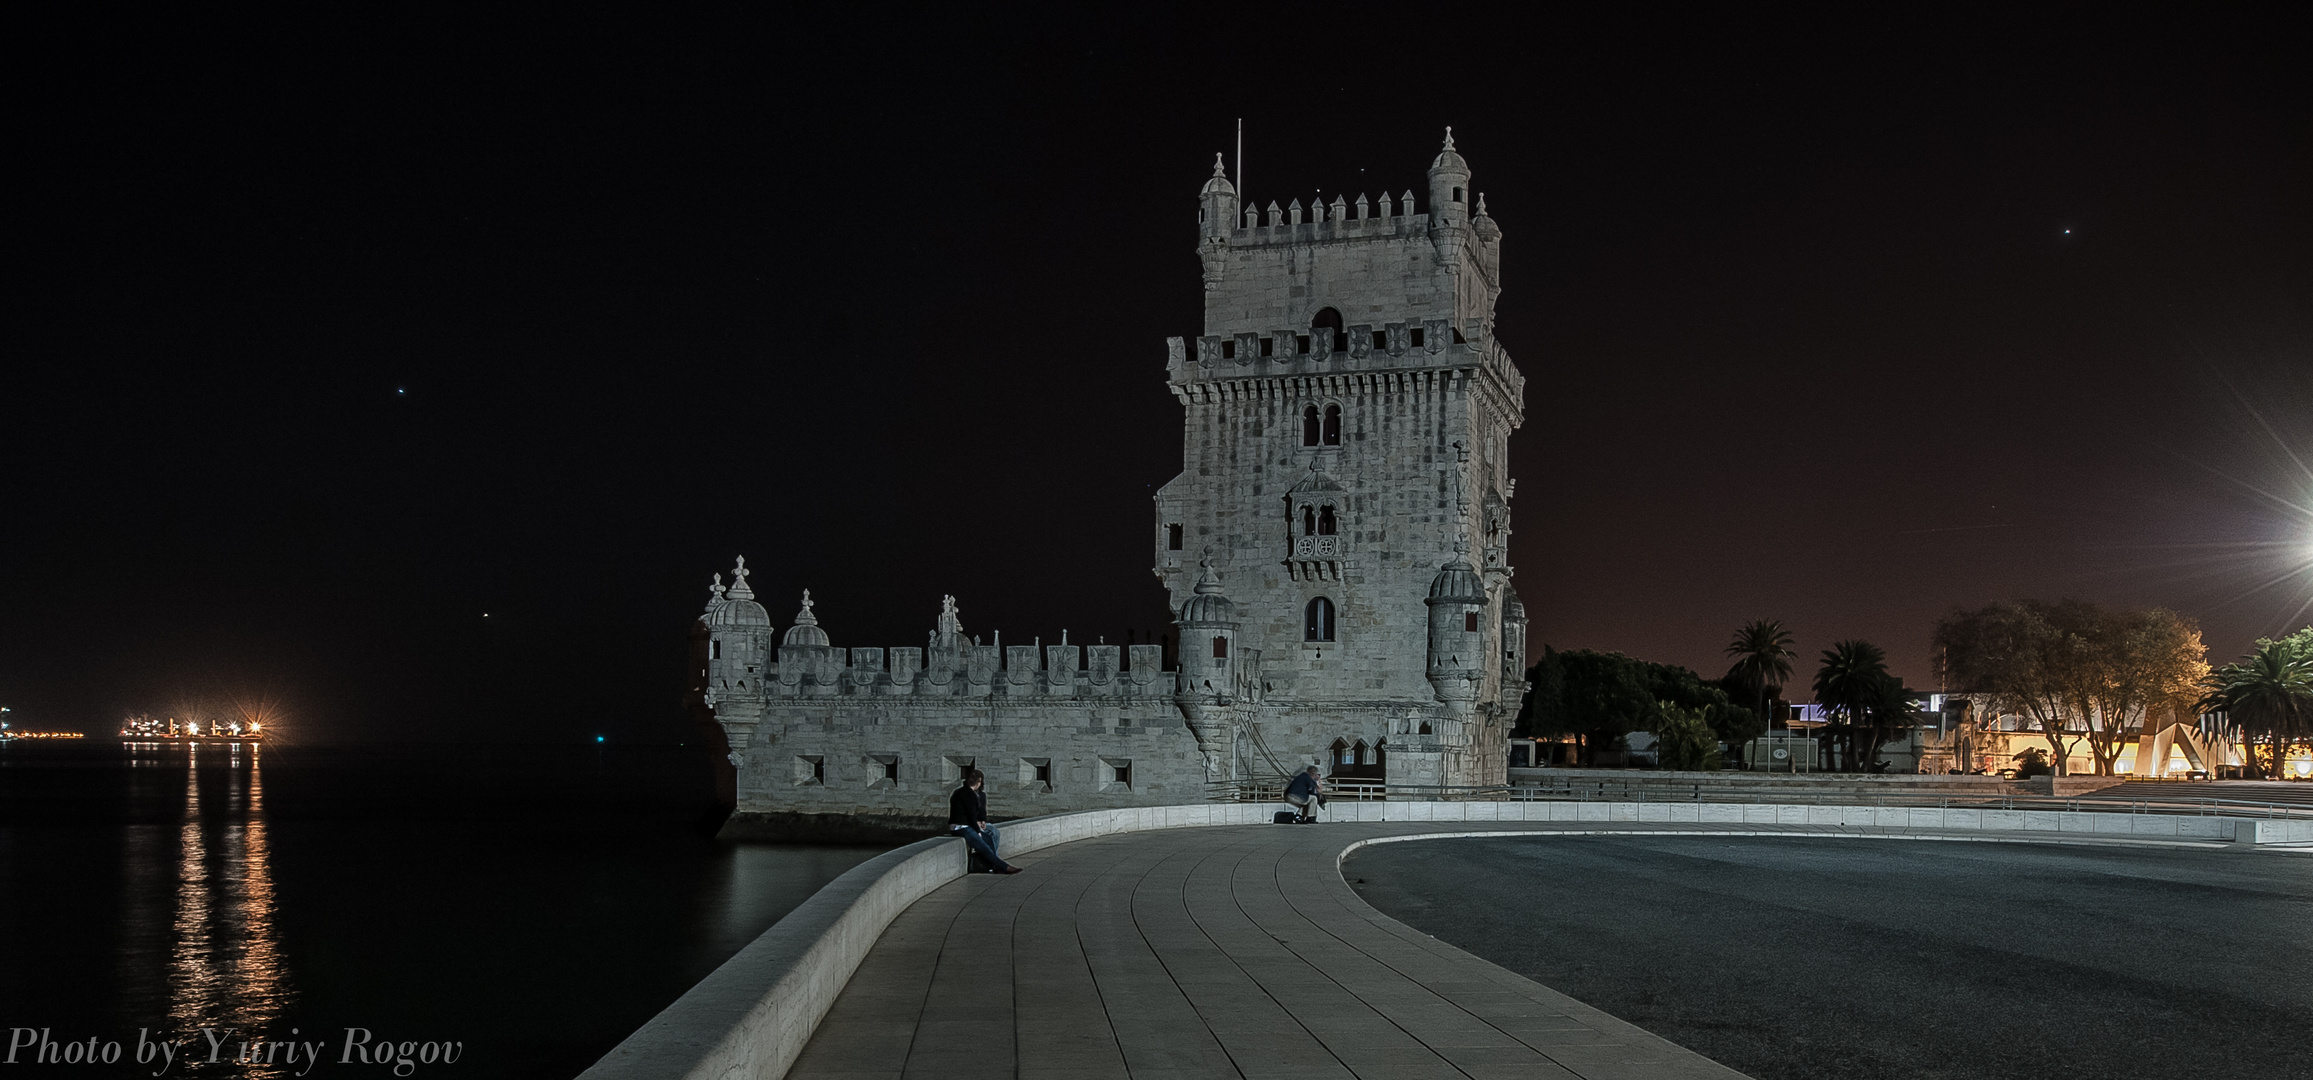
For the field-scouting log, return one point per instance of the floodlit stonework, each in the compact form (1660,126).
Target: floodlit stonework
(1336,549)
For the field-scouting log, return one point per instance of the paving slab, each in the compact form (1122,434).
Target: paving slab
(1207,954)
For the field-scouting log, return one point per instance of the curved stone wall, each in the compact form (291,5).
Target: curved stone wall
(750,1018)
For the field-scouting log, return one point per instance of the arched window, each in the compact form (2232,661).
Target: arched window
(1327,327)
(1325,520)
(1425,728)
(1362,753)
(1317,620)
(1333,425)
(1309,426)
(1308,521)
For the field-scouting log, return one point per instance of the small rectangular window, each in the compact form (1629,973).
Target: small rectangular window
(1172,538)
(1470,622)
(1417,337)
(1381,339)
(1301,345)
(1341,341)
(715,649)
(1116,773)
(1220,648)
(1458,336)
(1268,347)
(1229,349)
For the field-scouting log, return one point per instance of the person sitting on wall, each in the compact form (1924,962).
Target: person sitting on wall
(1306,793)
(968,818)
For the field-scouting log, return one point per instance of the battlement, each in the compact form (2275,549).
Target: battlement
(1052,671)
(1342,221)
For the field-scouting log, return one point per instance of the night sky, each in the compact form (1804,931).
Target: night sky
(327,336)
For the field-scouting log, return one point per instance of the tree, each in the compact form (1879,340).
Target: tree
(2024,657)
(2270,693)
(1861,698)
(1895,709)
(1599,697)
(1595,697)
(1763,656)
(1684,738)
(2138,662)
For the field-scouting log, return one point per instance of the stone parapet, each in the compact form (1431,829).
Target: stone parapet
(1064,671)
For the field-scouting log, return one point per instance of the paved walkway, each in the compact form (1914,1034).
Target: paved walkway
(1209,952)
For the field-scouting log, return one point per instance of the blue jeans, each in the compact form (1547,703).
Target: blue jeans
(982,845)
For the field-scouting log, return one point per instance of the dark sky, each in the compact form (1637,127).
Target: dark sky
(327,335)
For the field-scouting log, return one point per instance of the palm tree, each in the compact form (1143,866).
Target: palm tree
(2270,691)
(1852,682)
(1763,655)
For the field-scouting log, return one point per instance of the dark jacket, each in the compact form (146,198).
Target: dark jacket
(968,807)
(1303,784)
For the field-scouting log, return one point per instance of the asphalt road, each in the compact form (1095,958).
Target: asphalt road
(1821,958)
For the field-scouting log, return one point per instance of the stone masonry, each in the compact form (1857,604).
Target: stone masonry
(1335,548)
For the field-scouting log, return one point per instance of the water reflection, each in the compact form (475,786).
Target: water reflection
(225,968)
(528,907)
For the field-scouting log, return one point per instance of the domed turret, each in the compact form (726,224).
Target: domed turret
(806,630)
(1457,582)
(736,608)
(1219,184)
(1449,186)
(1208,622)
(1458,650)
(1217,204)
(738,643)
(1208,606)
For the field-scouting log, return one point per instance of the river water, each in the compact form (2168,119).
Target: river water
(522,909)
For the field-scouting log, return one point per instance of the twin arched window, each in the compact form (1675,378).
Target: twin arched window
(1317,620)
(1321,429)
(1318,520)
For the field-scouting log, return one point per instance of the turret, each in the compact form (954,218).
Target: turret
(1216,216)
(805,658)
(732,646)
(1208,623)
(1458,653)
(738,639)
(1206,693)
(1450,196)
(1217,204)
(1513,644)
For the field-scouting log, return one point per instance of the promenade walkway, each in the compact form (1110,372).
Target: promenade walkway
(1220,952)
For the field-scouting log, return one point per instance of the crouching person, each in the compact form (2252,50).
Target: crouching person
(968,818)
(1306,793)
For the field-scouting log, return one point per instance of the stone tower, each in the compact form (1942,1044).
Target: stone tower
(1347,415)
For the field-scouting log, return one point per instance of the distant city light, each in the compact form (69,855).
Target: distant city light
(598,738)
